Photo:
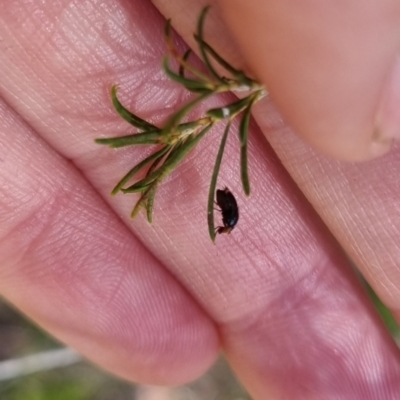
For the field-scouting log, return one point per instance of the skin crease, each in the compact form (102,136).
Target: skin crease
(154,304)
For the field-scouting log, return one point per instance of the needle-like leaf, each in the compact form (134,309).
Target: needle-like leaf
(150,203)
(138,167)
(176,118)
(127,115)
(213,184)
(244,126)
(175,54)
(169,165)
(203,51)
(141,203)
(190,84)
(236,73)
(153,175)
(182,66)
(149,137)
(244,173)
(178,138)
(143,184)
(186,147)
(230,111)
(243,137)
(157,161)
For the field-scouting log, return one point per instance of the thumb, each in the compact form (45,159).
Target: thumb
(332,68)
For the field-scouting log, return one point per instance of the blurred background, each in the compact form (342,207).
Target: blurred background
(33,366)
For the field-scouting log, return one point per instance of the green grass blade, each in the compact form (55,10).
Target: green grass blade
(127,115)
(213,184)
(138,167)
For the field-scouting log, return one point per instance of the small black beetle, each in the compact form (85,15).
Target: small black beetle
(229,210)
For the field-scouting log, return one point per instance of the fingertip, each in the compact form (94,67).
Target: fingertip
(324,72)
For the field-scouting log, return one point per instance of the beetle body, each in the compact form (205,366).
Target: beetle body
(229,210)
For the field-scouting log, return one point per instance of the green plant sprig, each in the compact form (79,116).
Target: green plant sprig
(178,137)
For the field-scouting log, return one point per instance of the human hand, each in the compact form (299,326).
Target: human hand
(156,303)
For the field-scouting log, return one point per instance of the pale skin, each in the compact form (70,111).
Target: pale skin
(156,304)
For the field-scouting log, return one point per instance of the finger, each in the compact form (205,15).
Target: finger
(331,69)
(360,205)
(357,202)
(68,263)
(280,262)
